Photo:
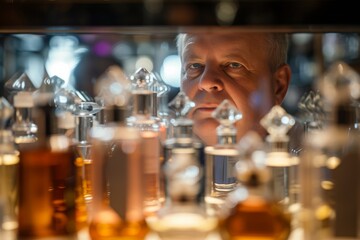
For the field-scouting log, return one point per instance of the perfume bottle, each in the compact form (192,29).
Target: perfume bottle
(142,118)
(67,105)
(20,89)
(183,216)
(220,159)
(329,162)
(250,212)
(47,180)
(182,128)
(9,170)
(277,123)
(118,168)
(84,113)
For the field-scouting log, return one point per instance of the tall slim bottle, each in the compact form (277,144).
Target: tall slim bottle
(220,177)
(278,159)
(118,168)
(142,118)
(47,180)
(9,167)
(183,138)
(330,161)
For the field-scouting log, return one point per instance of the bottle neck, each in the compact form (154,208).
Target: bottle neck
(226,135)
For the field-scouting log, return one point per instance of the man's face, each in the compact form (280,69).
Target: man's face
(233,66)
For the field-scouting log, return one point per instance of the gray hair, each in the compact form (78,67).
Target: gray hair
(278,48)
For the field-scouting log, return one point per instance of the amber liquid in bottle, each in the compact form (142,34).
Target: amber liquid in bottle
(118,190)
(151,154)
(256,218)
(46,193)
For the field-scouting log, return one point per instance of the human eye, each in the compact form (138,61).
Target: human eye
(234,65)
(194,66)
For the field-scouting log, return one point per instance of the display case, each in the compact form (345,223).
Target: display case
(78,40)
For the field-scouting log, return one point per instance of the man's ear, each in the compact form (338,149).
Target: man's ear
(282,80)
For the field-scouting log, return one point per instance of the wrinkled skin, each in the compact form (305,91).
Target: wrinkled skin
(233,66)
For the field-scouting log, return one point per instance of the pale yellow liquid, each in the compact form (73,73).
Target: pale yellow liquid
(9,167)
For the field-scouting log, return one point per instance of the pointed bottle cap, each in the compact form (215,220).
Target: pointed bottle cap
(277,123)
(181,105)
(113,87)
(340,83)
(340,87)
(19,82)
(51,85)
(65,100)
(226,114)
(142,79)
(159,86)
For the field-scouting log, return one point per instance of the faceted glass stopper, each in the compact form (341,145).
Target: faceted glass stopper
(6,111)
(159,86)
(66,100)
(277,122)
(51,85)
(340,84)
(226,113)
(142,79)
(181,104)
(312,107)
(19,82)
(113,87)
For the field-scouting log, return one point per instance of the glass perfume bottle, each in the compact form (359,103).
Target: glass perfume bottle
(220,159)
(118,168)
(67,105)
(183,216)
(9,170)
(330,161)
(149,126)
(20,89)
(250,211)
(47,180)
(84,113)
(277,123)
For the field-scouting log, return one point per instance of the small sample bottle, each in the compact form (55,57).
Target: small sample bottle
(329,164)
(251,211)
(9,174)
(47,183)
(278,159)
(118,168)
(149,126)
(220,159)
(183,216)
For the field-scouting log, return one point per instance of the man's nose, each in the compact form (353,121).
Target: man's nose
(211,79)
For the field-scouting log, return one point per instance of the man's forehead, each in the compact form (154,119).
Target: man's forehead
(224,44)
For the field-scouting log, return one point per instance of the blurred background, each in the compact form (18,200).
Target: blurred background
(80,59)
